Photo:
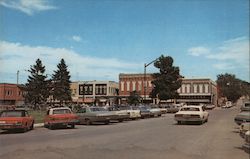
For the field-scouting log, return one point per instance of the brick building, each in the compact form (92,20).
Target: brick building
(11,94)
(135,82)
(192,91)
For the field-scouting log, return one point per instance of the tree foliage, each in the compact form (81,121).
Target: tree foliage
(231,87)
(61,83)
(134,98)
(36,87)
(167,81)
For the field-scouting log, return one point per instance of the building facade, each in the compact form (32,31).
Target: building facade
(11,94)
(192,91)
(140,83)
(195,91)
(94,92)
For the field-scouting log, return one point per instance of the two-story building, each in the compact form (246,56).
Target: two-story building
(192,91)
(199,90)
(94,92)
(140,83)
(11,94)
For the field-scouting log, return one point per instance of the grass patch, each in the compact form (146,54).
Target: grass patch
(38,115)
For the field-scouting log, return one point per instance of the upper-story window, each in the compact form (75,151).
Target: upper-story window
(122,86)
(101,89)
(128,86)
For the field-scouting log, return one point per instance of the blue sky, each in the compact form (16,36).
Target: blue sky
(101,38)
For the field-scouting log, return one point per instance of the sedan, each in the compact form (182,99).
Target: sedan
(192,114)
(16,119)
(60,117)
(90,115)
(242,117)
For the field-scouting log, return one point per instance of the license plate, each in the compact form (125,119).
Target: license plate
(186,116)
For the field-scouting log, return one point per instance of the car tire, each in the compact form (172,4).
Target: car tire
(72,126)
(178,122)
(106,122)
(120,120)
(88,122)
(32,126)
(50,126)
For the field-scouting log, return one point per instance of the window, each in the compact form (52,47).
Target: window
(101,89)
(128,86)
(122,86)
(139,86)
(133,85)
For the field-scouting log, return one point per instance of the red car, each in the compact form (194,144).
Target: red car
(16,119)
(60,117)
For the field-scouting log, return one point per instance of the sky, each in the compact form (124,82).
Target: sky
(99,39)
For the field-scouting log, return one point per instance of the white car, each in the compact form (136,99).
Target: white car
(134,112)
(192,113)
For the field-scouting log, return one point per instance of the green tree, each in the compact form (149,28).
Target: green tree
(61,83)
(134,98)
(231,87)
(36,87)
(167,81)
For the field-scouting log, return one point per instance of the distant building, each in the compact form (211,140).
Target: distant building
(135,82)
(94,92)
(11,94)
(195,91)
(192,91)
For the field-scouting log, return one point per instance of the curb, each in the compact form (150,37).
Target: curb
(38,125)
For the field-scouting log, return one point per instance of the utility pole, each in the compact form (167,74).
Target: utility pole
(145,82)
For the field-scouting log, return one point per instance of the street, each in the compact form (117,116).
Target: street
(158,138)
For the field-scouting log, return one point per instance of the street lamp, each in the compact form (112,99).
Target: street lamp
(145,78)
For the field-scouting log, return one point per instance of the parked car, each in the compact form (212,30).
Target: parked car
(228,104)
(154,111)
(90,115)
(60,117)
(172,108)
(242,117)
(246,146)
(121,114)
(145,113)
(244,127)
(245,106)
(134,112)
(209,106)
(192,113)
(16,120)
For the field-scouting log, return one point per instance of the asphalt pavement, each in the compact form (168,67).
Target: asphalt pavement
(159,138)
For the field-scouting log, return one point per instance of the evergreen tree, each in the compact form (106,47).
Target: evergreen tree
(167,81)
(36,88)
(61,83)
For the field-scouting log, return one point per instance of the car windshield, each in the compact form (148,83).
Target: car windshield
(190,109)
(61,111)
(96,109)
(12,114)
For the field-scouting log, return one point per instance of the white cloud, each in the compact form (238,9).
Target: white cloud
(223,66)
(233,53)
(76,38)
(28,6)
(16,56)
(198,51)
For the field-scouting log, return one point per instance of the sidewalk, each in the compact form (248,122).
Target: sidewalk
(38,125)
